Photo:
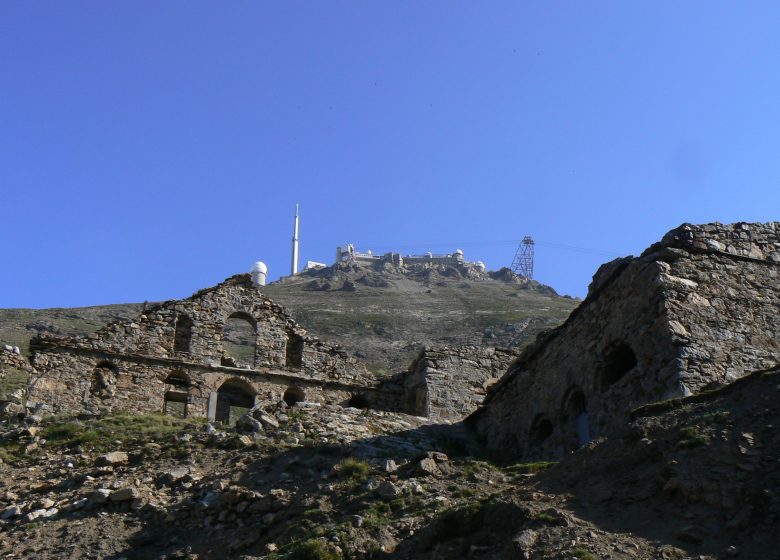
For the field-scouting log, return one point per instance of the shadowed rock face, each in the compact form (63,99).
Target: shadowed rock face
(695,311)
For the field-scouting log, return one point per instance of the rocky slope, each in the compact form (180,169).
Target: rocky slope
(694,478)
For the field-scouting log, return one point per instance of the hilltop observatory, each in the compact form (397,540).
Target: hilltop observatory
(259,272)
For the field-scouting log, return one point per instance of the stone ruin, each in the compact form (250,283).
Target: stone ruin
(187,358)
(450,383)
(213,355)
(694,312)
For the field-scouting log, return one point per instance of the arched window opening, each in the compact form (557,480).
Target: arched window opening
(177,388)
(234,399)
(574,419)
(239,340)
(294,357)
(103,382)
(183,334)
(359,400)
(541,429)
(619,359)
(293,395)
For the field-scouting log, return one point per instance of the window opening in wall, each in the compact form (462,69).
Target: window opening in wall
(177,387)
(239,340)
(234,399)
(293,395)
(103,382)
(294,352)
(574,419)
(183,334)
(619,359)
(541,429)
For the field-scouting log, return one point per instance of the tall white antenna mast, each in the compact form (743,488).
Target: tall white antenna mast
(295,244)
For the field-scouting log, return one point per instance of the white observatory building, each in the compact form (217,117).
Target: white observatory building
(259,272)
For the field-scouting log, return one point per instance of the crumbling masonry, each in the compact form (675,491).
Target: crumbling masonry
(175,357)
(695,311)
(449,383)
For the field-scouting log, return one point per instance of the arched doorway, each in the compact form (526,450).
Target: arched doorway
(239,339)
(574,419)
(177,388)
(234,399)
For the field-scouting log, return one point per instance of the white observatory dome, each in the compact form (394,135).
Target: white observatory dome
(259,266)
(480,266)
(458,252)
(258,272)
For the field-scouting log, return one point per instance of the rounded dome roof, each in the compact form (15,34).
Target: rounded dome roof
(259,267)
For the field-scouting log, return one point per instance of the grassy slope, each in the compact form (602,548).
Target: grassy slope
(384,326)
(17,326)
(387,325)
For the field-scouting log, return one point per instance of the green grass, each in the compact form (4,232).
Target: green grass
(692,436)
(12,380)
(545,517)
(582,553)
(717,417)
(377,515)
(101,434)
(529,468)
(355,469)
(311,549)
(460,522)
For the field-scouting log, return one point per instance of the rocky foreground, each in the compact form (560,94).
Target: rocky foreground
(696,478)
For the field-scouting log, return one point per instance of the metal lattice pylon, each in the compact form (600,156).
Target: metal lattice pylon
(523,263)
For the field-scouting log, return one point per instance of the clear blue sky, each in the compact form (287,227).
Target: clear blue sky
(149,149)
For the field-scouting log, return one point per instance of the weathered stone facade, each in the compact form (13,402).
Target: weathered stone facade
(694,311)
(173,356)
(450,383)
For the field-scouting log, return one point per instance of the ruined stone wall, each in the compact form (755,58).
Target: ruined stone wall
(138,384)
(132,365)
(153,333)
(695,311)
(722,299)
(450,383)
(529,412)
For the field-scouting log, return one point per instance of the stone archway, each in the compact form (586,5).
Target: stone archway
(234,399)
(239,340)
